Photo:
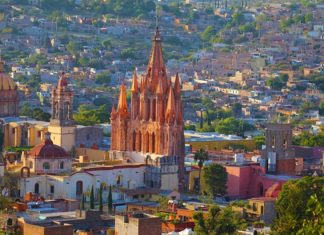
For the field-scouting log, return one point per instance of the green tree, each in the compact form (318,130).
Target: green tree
(214,179)
(73,48)
(237,109)
(5,203)
(230,126)
(208,33)
(201,156)
(82,206)
(218,222)
(92,202)
(298,205)
(259,141)
(103,78)
(309,17)
(89,116)
(100,198)
(110,201)
(275,83)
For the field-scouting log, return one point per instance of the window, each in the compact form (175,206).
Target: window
(79,187)
(261,210)
(39,133)
(13,130)
(46,166)
(285,144)
(62,165)
(36,188)
(52,189)
(31,165)
(119,180)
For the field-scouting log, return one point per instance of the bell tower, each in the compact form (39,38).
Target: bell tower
(62,126)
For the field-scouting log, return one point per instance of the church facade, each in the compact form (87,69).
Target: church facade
(151,130)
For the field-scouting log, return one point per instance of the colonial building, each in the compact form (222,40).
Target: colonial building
(47,158)
(151,130)
(9,99)
(62,126)
(79,182)
(24,131)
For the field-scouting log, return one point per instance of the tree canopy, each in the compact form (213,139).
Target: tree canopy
(88,116)
(300,207)
(214,179)
(36,113)
(218,221)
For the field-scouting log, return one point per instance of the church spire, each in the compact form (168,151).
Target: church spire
(156,68)
(170,109)
(122,103)
(135,83)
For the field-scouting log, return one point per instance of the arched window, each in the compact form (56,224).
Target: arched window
(134,140)
(79,187)
(61,165)
(36,188)
(147,136)
(153,143)
(46,166)
(119,180)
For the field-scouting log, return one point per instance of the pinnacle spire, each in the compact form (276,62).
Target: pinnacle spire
(135,82)
(177,86)
(170,109)
(122,103)
(143,84)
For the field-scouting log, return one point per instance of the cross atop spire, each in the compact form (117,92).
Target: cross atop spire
(157,13)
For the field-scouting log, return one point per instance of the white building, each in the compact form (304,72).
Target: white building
(75,184)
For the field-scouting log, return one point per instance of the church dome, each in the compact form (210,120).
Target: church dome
(6,82)
(48,150)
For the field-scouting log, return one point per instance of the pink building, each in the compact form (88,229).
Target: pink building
(251,180)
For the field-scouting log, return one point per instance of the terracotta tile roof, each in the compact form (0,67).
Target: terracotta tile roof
(48,150)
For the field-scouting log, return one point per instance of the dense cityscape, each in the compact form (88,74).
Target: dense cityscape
(167,117)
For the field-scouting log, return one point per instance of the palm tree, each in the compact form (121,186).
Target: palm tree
(201,156)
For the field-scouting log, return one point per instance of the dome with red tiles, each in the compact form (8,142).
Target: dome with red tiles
(48,150)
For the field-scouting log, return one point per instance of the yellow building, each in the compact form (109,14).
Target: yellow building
(262,208)
(20,132)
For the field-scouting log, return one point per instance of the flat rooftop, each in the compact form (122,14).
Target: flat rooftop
(193,136)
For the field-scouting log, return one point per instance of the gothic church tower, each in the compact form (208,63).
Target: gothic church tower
(151,130)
